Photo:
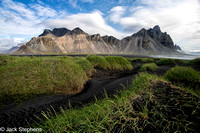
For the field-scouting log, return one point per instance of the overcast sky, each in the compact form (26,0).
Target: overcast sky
(20,20)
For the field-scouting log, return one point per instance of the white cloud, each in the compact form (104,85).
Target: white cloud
(116,13)
(180,18)
(19,8)
(90,22)
(44,11)
(10,42)
(21,21)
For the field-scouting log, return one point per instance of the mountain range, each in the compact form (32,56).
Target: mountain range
(63,40)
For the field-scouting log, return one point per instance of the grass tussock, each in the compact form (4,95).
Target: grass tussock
(25,77)
(184,76)
(148,66)
(166,62)
(85,64)
(147,60)
(192,62)
(150,105)
(98,61)
(144,60)
(118,63)
(110,62)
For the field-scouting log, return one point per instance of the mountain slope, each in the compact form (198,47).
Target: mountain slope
(141,42)
(63,40)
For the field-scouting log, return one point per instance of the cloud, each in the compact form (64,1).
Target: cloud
(116,13)
(10,42)
(90,22)
(180,18)
(21,21)
(74,3)
(43,11)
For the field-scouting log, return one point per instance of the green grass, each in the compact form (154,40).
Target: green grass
(25,77)
(98,62)
(110,62)
(192,62)
(166,62)
(118,63)
(85,64)
(141,108)
(132,59)
(147,60)
(185,76)
(148,66)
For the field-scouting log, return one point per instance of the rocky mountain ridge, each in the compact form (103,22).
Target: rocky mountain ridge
(63,40)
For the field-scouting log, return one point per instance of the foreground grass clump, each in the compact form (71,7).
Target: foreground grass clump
(193,62)
(110,62)
(196,61)
(30,76)
(185,76)
(150,105)
(98,61)
(118,63)
(148,66)
(166,62)
(85,64)
(147,60)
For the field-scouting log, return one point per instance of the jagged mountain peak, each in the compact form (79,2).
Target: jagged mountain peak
(77,30)
(142,32)
(60,31)
(45,32)
(156,28)
(161,37)
(95,37)
(111,40)
(77,41)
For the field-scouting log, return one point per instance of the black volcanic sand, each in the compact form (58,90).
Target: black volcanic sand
(109,81)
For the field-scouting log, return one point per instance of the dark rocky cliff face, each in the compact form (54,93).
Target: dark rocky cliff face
(111,40)
(161,37)
(45,33)
(76,31)
(58,32)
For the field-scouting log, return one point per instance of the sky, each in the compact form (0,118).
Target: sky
(20,20)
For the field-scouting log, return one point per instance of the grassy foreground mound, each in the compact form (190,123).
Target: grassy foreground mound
(166,62)
(110,62)
(150,105)
(24,77)
(148,66)
(185,76)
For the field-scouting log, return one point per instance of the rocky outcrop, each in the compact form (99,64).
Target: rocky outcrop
(142,43)
(24,49)
(58,32)
(43,44)
(161,37)
(62,40)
